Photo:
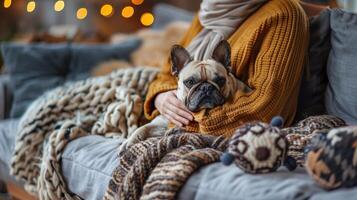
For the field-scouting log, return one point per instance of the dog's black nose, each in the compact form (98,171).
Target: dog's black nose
(207,87)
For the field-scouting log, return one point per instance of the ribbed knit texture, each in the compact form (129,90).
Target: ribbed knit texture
(268,53)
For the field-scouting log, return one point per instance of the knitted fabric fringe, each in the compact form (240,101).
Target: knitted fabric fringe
(158,167)
(110,106)
(300,135)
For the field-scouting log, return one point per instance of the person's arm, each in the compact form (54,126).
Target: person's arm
(274,77)
(164,81)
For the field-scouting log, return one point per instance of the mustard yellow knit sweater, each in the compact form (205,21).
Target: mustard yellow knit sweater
(268,54)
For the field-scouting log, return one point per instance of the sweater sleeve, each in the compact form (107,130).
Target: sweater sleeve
(165,81)
(274,76)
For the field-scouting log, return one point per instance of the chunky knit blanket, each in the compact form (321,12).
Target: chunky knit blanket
(110,106)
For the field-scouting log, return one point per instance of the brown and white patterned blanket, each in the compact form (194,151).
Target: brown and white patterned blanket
(158,167)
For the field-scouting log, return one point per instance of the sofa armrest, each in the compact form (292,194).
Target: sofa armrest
(5,97)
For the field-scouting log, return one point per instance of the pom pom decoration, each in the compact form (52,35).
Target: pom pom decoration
(258,147)
(332,158)
(227,158)
(277,121)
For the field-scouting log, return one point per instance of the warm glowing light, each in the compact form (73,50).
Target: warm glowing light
(147,19)
(106,10)
(7,3)
(127,12)
(137,2)
(59,5)
(31,6)
(82,13)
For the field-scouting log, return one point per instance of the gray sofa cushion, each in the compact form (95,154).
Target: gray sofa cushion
(87,164)
(7,144)
(314,81)
(35,68)
(84,57)
(341,93)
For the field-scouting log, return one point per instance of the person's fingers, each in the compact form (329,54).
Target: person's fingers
(180,108)
(171,119)
(177,117)
(180,112)
(178,102)
(174,100)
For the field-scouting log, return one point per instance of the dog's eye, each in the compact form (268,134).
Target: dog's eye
(189,83)
(220,81)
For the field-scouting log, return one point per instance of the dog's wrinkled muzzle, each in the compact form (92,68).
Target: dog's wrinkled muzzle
(204,95)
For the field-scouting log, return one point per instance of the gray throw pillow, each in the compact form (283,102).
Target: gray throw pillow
(36,68)
(314,80)
(33,69)
(84,57)
(341,93)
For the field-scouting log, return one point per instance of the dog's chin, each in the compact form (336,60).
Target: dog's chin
(199,102)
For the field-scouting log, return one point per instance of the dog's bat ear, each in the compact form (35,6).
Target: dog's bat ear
(179,58)
(222,53)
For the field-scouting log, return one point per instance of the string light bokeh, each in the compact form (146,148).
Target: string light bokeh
(137,2)
(59,6)
(7,3)
(31,6)
(82,13)
(147,19)
(106,10)
(127,12)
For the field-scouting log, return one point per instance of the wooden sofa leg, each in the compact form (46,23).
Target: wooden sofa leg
(17,193)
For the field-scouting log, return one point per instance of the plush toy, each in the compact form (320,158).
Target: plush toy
(332,158)
(259,148)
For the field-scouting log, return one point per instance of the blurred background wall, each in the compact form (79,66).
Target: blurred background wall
(102,17)
(93,17)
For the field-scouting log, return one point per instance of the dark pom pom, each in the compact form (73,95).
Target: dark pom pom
(290,163)
(277,121)
(227,158)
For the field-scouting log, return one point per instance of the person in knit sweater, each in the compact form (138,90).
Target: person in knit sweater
(268,54)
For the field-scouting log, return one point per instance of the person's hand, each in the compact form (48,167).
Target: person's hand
(172,108)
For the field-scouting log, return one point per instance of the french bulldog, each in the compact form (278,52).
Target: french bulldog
(201,85)
(205,84)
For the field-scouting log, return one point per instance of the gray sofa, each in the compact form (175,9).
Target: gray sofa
(88,162)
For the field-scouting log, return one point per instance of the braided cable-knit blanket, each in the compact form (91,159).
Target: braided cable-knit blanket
(110,106)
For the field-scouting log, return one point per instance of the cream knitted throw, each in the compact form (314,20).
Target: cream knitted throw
(110,106)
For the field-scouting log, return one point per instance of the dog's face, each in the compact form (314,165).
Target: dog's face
(203,84)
